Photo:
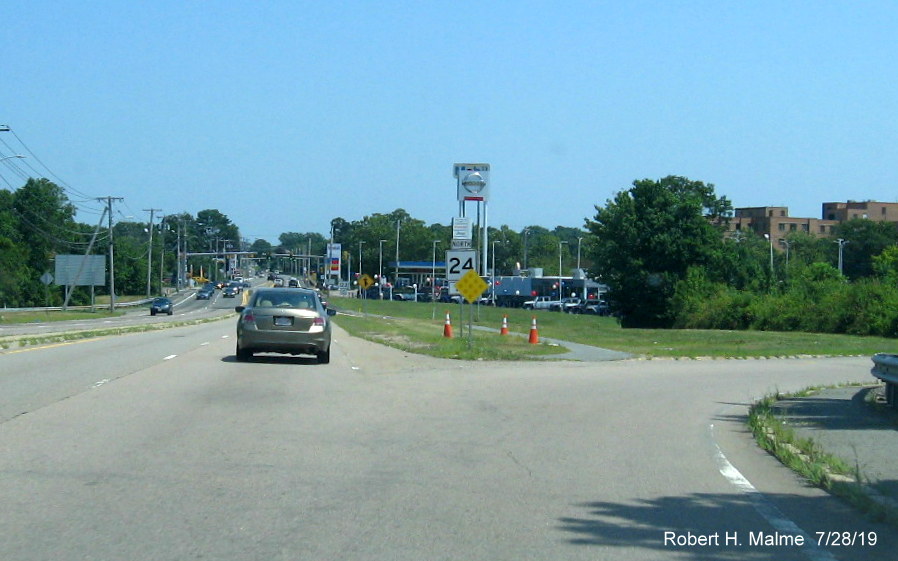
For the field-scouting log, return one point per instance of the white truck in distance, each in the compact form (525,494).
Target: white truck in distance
(542,303)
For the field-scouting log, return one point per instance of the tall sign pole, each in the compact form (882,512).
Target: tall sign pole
(474,185)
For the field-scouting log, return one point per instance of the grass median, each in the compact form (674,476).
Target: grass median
(422,320)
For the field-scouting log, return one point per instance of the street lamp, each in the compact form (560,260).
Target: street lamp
(360,264)
(579,241)
(559,268)
(493,276)
(841,243)
(787,244)
(433,280)
(396,280)
(770,239)
(526,238)
(380,271)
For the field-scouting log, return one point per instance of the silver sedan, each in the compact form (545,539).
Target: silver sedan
(284,320)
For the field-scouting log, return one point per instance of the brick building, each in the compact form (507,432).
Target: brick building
(774,221)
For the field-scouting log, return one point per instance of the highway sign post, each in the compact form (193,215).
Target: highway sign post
(471,287)
(459,262)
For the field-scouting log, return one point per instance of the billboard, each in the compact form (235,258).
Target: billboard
(80,270)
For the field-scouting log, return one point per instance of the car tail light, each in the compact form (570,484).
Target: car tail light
(319,322)
(249,318)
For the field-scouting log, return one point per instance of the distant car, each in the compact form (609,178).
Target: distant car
(205,294)
(284,320)
(293,282)
(278,281)
(230,292)
(592,307)
(162,306)
(568,305)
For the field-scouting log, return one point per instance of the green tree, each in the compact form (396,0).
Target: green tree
(866,239)
(45,225)
(885,265)
(649,236)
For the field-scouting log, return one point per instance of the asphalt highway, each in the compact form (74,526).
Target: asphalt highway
(159,445)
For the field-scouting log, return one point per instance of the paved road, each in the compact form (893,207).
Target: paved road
(175,451)
(187,307)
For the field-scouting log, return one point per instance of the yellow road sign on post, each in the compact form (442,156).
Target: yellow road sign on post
(471,286)
(365,282)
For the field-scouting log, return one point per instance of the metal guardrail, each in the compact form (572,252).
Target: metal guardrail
(885,367)
(133,304)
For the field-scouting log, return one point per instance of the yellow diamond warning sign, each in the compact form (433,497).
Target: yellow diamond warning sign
(471,286)
(365,282)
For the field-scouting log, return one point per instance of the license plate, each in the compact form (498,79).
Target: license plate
(281,321)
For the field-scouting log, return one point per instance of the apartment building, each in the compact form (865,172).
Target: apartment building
(871,210)
(775,222)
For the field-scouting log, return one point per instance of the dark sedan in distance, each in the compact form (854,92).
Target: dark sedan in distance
(162,306)
(230,292)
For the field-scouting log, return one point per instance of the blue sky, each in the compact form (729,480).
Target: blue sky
(284,115)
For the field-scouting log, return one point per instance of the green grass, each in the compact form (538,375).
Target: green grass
(807,458)
(64,337)
(652,343)
(51,316)
(423,336)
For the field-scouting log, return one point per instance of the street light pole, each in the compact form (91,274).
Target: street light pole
(380,271)
(841,243)
(559,261)
(396,280)
(433,280)
(770,239)
(579,241)
(493,275)
(787,244)
(559,269)
(360,262)
(526,238)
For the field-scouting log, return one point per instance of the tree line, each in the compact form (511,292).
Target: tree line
(38,222)
(659,245)
(662,250)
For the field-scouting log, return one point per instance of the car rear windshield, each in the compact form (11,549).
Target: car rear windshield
(284,300)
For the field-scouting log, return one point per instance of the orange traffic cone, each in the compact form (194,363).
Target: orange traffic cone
(447,329)
(534,334)
(504,330)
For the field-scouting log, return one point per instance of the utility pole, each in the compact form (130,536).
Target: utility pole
(109,201)
(150,251)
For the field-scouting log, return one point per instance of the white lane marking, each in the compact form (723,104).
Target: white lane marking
(204,344)
(765,508)
(169,357)
(101,382)
(225,336)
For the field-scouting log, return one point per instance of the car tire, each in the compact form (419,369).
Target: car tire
(324,357)
(171,312)
(243,355)
(152,312)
